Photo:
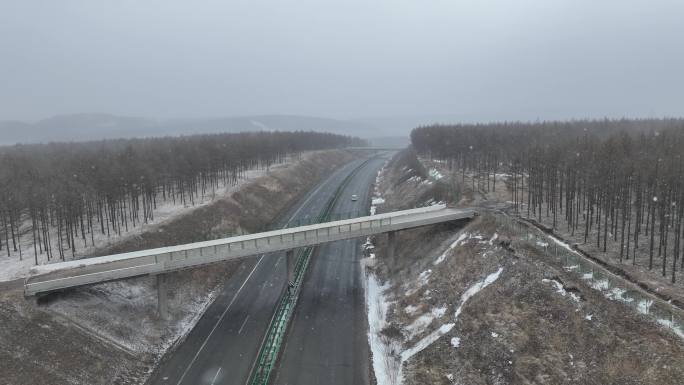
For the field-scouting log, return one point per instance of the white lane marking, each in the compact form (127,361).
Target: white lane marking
(243,324)
(313,194)
(216,376)
(219,320)
(294,215)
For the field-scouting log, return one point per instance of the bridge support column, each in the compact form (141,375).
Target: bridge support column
(162,300)
(290,262)
(391,244)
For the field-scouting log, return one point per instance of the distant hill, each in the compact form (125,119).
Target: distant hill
(83,127)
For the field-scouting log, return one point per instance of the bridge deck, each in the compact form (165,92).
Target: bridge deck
(46,278)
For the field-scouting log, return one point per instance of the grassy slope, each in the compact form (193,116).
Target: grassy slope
(520,329)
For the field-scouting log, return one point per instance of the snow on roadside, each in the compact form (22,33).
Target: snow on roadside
(386,365)
(387,354)
(124,300)
(377,199)
(385,362)
(195,310)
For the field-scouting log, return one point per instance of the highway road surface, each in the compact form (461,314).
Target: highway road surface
(327,342)
(222,347)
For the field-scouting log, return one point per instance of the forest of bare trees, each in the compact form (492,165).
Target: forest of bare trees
(64,193)
(616,183)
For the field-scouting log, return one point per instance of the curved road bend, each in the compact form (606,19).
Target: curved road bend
(222,346)
(327,340)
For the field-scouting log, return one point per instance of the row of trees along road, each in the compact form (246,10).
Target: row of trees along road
(616,183)
(62,194)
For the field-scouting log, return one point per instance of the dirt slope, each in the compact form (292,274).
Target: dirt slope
(109,333)
(465,308)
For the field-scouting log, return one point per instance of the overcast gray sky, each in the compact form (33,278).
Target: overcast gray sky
(470,59)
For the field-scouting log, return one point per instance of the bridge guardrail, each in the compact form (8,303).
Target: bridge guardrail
(100,269)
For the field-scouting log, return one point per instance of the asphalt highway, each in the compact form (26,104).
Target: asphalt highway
(223,345)
(327,341)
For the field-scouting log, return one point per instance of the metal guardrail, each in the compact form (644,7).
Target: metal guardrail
(318,219)
(81,272)
(270,348)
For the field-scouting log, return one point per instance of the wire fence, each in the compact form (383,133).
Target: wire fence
(594,275)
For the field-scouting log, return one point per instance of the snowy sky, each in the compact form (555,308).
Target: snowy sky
(467,59)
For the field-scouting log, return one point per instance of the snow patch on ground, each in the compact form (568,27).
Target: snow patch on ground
(644,306)
(476,288)
(435,174)
(457,242)
(377,199)
(422,280)
(601,285)
(445,328)
(426,341)
(410,309)
(617,294)
(493,238)
(562,244)
(669,324)
(455,342)
(419,324)
(561,290)
(432,202)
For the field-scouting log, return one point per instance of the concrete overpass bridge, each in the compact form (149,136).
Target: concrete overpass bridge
(64,275)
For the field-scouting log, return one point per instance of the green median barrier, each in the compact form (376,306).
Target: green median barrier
(270,348)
